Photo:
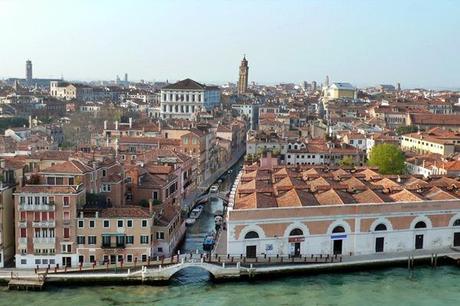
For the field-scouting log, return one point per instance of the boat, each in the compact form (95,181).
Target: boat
(214,188)
(194,214)
(208,242)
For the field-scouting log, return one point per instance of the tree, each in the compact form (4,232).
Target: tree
(388,158)
(347,161)
(406,129)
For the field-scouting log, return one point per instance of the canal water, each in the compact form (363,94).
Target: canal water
(397,286)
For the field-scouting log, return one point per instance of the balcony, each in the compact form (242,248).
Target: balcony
(49,223)
(45,241)
(22,224)
(113,245)
(33,207)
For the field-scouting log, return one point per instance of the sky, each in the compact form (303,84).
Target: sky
(367,42)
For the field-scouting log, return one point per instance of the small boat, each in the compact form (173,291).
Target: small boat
(208,242)
(230,171)
(194,214)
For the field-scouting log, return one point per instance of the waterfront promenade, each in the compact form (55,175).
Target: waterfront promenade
(228,267)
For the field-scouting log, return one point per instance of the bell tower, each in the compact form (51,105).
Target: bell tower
(243,79)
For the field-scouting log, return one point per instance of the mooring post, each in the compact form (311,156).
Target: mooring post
(238,265)
(202,259)
(223,265)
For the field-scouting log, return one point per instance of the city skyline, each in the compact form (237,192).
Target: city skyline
(360,42)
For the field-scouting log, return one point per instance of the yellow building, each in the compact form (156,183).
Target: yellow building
(426,143)
(340,90)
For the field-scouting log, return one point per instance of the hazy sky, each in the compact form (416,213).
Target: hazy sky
(364,42)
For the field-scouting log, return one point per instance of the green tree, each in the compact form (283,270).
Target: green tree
(347,161)
(388,158)
(406,129)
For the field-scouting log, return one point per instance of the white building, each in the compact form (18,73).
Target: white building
(186,98)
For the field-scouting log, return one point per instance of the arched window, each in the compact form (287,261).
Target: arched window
(251,235)
(457,222)
(420,224)
(338,229)
(381,227)
(296,232)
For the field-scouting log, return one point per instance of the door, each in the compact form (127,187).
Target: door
(456,239)
(251,251)
(113,259)
(379,241)
(66,261)
(297,249)
(418,242)
(338,247)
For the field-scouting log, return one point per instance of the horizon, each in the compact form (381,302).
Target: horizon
(331,38)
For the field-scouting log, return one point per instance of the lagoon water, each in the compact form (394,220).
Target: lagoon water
(398,286)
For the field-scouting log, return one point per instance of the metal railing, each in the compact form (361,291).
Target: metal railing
(50,223)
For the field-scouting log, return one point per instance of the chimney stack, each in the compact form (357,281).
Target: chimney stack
(105,124)
(150,206)
(130,122)
(116,125)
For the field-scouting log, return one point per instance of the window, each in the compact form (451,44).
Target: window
(129,223)
(160,250)
(66,201)
(120,223)
(81,223)
(144,257)
(381,227)
(23,233)
(129,258)
(338,229)
(457,222)
(80,239)
(71,180)
(296,232)
(120,241)
(144,239)
(106,223)
(104,172)
(129,239)
(66,232)
(92,224)
(59,181)
(251,235)
(155,195)
(160,235)
(144,223)
(420,224)
(92,239)
(106,188)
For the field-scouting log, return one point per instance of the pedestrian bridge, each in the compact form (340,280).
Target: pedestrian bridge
(220,195)
(216,271)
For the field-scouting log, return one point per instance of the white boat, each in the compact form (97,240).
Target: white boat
(194,214)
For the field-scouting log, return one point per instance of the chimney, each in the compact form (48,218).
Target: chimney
(105,124)
(130,122)
(30,122)
(97,214)
(116,125)
(150,206)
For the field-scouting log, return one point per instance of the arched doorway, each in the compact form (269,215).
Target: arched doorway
(380,241)
(251,250)
(456,225)
(337,246)
(295,239)
(419,236)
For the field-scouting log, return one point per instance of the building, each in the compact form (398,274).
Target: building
(340,90)
(186,98)
(436,140)
(71,91)
(243,77)
(29,72)
(111,235)
(300,211)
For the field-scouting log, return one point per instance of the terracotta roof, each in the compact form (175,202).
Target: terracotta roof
(124,212)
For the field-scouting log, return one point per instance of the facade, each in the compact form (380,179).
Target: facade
(111,235)
(186,98)
(434,141)
(302,211)
(71,91)
(340,90)
(243,77)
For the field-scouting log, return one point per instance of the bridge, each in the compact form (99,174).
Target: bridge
(205,197)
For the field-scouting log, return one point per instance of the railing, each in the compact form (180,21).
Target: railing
(22,224)
(44,240)
(50,223)
(113,245)
(33,207)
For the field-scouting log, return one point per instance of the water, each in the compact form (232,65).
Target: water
(192,287)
